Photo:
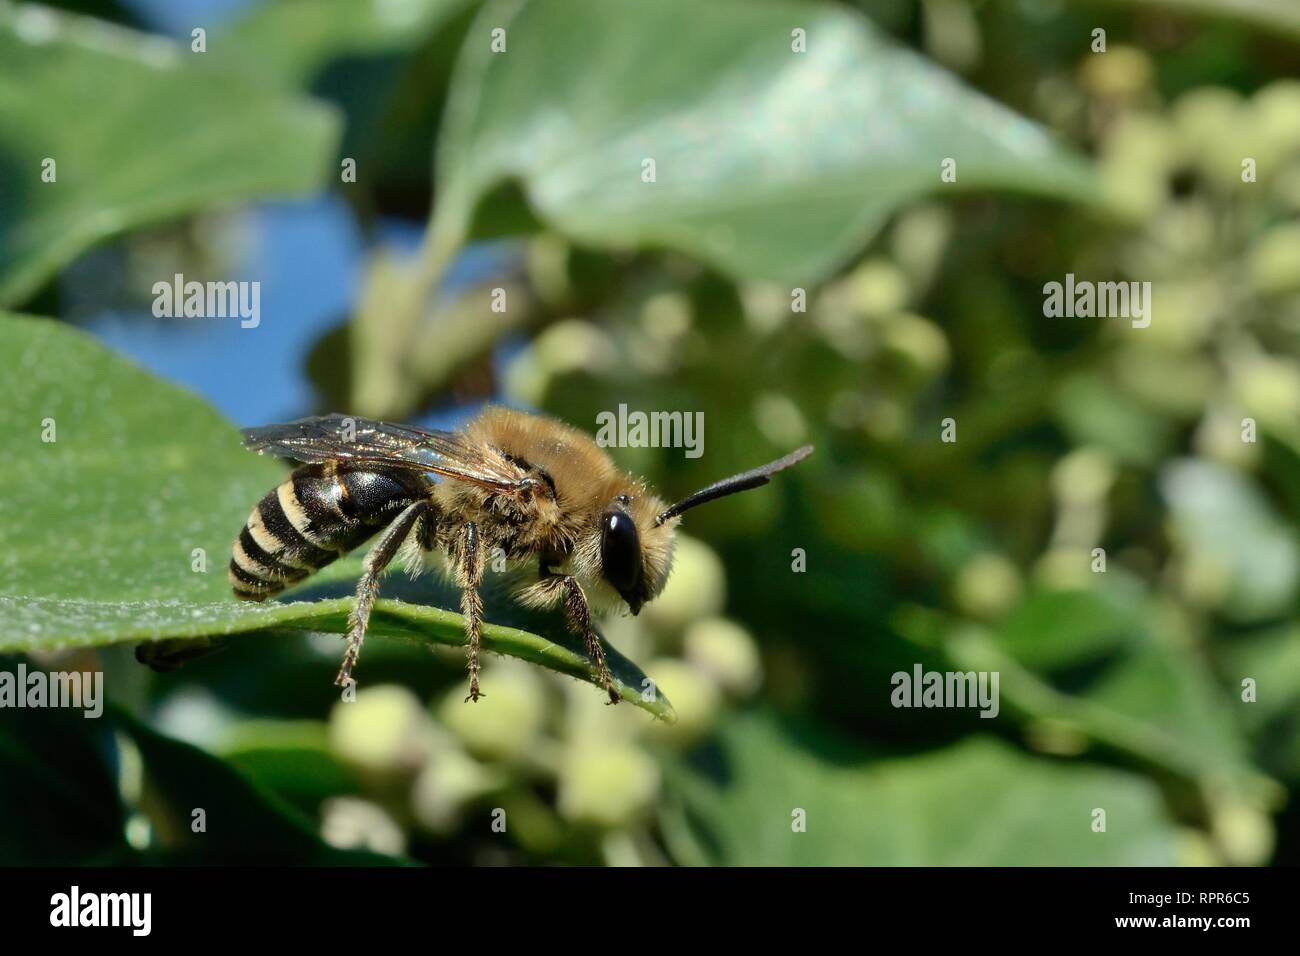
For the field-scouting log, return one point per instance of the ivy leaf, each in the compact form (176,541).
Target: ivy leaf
(119,528)
(139,131)
(778,795)
(293,40)
(68,799)
(1110,666)
(781,135)
(241,821)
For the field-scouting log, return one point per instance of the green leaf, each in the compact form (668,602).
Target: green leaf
(770,163)
(979,802)
(1109,668)
(292,759)
(1271,657)
(1051,630)
(1246,560)
(141,130)
(60,798)
(243,822)
(72,813)
(1095,412)
(386,66)
(101,526)
(291,41)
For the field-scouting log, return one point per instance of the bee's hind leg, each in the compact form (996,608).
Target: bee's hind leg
(467,559)
(380,556)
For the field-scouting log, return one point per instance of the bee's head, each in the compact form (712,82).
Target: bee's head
(636,554)
(637,531)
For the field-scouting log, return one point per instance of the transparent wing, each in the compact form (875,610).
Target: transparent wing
(346,438)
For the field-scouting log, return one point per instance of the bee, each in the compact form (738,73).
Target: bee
(512,484)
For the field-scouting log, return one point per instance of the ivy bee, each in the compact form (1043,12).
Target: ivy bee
(526,487)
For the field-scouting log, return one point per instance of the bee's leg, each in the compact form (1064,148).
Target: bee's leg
(368,587)
(579,615)
(468,563)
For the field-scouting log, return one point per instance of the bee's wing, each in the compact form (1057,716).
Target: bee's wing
(363,440)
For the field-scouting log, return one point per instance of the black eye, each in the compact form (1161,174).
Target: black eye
(620,552)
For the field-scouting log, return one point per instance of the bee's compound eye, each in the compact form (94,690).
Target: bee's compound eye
(620,552)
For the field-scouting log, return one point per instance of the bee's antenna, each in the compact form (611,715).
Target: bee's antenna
(742,482)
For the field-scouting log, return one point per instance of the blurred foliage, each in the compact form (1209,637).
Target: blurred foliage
(1104,533)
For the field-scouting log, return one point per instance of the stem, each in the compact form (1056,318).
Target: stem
(394,301)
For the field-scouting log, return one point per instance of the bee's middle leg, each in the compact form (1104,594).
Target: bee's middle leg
(368,587)
(467,558)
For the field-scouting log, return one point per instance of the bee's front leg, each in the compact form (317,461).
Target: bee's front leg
(467,558)
(579,615)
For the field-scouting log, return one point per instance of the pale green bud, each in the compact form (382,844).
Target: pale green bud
(919,341)
(1122,72)
(1212,123)
(779,419)
(1274,261)
(695,697)
(878,287)
(696,587)
(506,721)
(666,315)
(385,730)
(353,824)
(987,586)
(447,785)
(1242,831)
(1268,388)
(607,786)
(726,652)
(1136,159)
(565,347)
(1083,477)
(1275,120)
(1219,437)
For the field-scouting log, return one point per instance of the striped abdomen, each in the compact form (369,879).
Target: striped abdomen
(316,514)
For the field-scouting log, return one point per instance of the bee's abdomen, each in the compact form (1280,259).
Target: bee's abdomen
(308,521)
(270,552)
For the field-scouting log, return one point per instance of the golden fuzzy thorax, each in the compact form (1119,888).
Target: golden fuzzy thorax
(567,529)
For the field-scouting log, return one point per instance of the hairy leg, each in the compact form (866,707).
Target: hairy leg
(565,587)
(467,558)
(368,587)
(552,588)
